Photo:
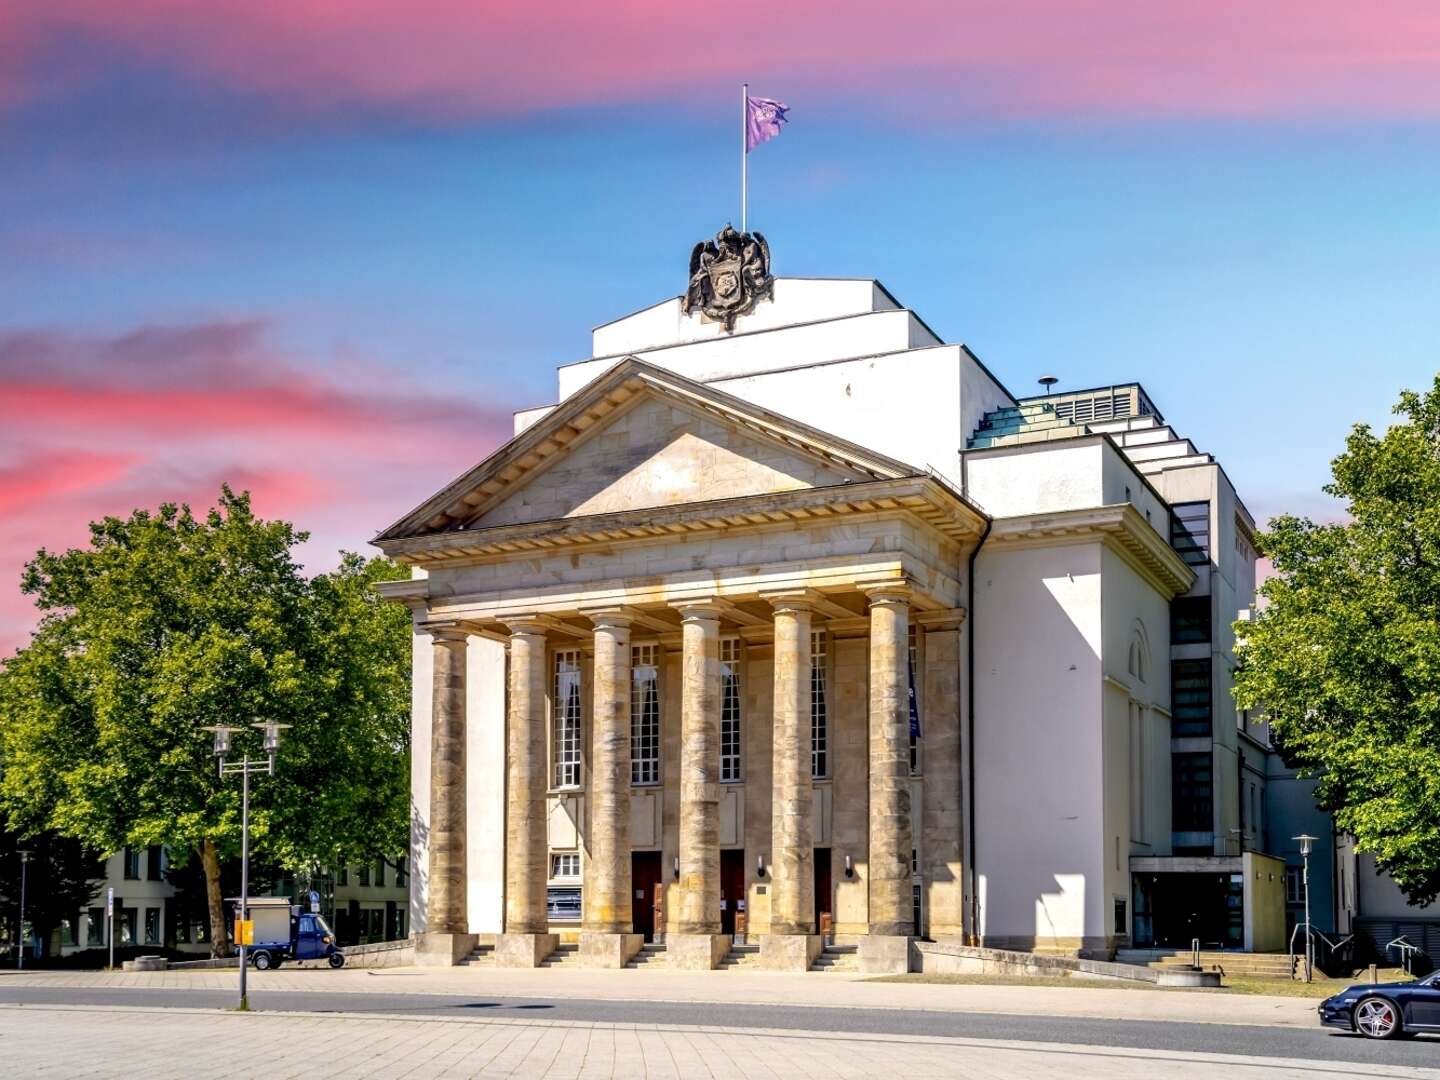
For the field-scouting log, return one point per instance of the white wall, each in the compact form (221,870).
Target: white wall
(765,350)
(1039,769)
(795,300)
(1037,478)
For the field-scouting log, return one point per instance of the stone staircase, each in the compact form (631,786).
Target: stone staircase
(563,956)
(650,956)
(480,956)
(838,958)
(741,958)
(1235,964)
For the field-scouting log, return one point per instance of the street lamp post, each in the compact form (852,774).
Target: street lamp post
(20,930)
(1306,840)
(245,767)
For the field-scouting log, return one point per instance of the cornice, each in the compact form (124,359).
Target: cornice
(924,497)
(1119,526)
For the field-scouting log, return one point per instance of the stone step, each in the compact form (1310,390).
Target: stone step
(649,956)
(837,958)
(740,956)
(481,957)
(563,954)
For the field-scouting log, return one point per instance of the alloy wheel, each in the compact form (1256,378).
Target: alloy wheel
(1375,1018)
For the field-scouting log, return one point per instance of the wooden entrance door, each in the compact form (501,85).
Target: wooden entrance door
(823,891)
(732,886)
(645,878)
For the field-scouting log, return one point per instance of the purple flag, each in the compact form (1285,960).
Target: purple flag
(763,118)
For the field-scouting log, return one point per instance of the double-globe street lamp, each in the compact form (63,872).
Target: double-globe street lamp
(245,767)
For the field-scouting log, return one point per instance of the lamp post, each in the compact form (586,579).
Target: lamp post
(20,930)
(245,767)
(1306,840)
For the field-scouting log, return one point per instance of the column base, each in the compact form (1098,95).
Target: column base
(696,952)
(884,954)
(443,950)
(601,950)
(790,952)
(524,950)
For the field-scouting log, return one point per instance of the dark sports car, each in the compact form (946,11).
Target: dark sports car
(1386,1010)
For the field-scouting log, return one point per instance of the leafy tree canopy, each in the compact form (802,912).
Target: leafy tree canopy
(1344,655)
(169,622)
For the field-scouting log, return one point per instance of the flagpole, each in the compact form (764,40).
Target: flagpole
(744,158)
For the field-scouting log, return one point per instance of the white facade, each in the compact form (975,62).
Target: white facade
(1064,812)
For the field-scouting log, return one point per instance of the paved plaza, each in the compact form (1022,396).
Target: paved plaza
(194,1044)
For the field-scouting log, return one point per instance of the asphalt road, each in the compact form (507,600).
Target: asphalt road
(1265,1042)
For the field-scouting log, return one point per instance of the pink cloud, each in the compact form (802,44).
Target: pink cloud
(99,426)
(1026,57)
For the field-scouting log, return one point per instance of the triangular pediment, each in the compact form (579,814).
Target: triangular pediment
(640,438)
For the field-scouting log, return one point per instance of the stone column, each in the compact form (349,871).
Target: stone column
(792,944)
(526,940)
(446,939)
(606,939)
(699,943)
(891,837)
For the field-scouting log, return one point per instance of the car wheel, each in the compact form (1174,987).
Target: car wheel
(337,960)
(262,961)
(1376,1018)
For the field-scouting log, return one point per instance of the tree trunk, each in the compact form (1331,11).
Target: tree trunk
(219,929)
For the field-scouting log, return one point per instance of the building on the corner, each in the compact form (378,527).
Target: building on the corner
(813,624)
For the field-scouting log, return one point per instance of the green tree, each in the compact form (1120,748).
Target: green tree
(168,623)
(60,879)
(1344,654)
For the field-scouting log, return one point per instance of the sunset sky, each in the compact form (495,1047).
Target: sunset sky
(322,250)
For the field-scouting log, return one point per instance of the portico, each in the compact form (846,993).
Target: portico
(654,554)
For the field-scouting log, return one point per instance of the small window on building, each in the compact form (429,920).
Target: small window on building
(1190,531)
(132,864)
(344,875)
(645,714)
(155,870)
(819,711)
(1192,805)
(917,904)
(365,874)
(565,865)
(731,652)
(380,872)
(562,903)
(401,878)
(1121,920)
(567,718)
(1190,620)
(1191,702)
(915,728)
(152,926)
(1294,885)
(95,926)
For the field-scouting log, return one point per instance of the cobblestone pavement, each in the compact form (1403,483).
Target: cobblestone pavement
(726,987)
(206,1045)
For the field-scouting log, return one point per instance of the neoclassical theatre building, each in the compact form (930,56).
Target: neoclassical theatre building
(788,619)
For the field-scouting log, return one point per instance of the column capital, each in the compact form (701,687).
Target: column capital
(701,609)
(525,625)
(609,618)
(790,599)
(444,633)
(894,592)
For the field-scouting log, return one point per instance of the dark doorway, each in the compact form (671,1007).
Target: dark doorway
(645,878)
(732,886)
(823,889)
(1184,907)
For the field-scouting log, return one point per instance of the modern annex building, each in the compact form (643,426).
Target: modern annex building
(788,612)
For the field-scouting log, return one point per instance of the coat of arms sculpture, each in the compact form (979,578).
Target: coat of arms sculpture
(729,276)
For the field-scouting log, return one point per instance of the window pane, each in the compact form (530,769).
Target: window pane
(567,718)
(1190,698)
(1190,531)
(644,714)
(819,714)
(1191,784)
(730,653)
(562,904)
(1190,620)
(914,702)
